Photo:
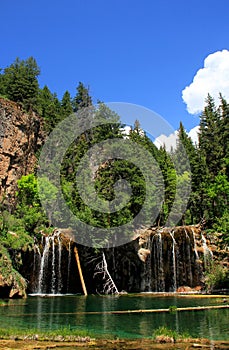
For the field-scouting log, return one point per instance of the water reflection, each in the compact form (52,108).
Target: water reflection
(72,311)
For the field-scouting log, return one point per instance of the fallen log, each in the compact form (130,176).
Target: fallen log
(80,271)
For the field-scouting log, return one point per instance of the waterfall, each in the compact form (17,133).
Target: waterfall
(53,266)
(50,278)
(37,256)
(159,285)
(69,263)
(148,268)
(44,263)
(36,260)
(208,255)
(59,287)
(174,262)
(188,258)
(194,239)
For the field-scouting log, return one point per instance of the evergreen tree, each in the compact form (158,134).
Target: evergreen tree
(19,82)
(210,137)
(82,98)
(224,132)
(49,108)
(66,105)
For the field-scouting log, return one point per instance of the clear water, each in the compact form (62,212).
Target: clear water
(47,313)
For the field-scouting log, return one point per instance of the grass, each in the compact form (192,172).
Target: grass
(61,334)
(172,308)
(163,334)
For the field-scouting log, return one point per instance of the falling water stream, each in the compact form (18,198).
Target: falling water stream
(174,287)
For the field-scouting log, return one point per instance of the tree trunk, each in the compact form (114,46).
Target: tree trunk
(80,270)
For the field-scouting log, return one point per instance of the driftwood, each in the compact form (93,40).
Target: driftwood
(195,308)
(80,271)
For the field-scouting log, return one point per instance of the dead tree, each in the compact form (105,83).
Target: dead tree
(101,270)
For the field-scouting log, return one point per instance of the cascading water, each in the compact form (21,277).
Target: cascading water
(188,258)
(208,255)
(158,267)
(50,278)
(59,286)
(194,240)
(53,265)
(160,261)
(147,282)
(43,265)
(174,286)
(69,263)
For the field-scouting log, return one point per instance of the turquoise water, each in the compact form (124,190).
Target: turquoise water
(47,313)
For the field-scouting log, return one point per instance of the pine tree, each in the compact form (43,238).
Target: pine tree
(224,132)
(49,108)
(82,98)
(19,82)
(210,138)
(66,105)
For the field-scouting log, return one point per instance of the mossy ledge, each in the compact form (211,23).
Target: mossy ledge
(12,284)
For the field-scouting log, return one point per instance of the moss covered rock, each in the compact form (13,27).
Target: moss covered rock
(12,284)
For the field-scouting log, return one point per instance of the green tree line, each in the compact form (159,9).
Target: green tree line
(208,173)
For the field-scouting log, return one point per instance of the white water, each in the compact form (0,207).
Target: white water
(50,261)
(208,255)
(158,263)
(174,262)
(53,266)
(188,261)
(59,263)
(69,263)
(195,249)
(44,262)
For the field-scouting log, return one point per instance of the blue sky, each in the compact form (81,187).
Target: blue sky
(143,52)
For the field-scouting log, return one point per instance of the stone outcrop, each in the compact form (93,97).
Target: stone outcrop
(12,284)
(157,260)
(21,136)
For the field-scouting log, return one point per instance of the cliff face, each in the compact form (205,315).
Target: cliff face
(158,260)
(12,284)
(21,136)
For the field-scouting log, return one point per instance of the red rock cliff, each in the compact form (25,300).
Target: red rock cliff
(21,136)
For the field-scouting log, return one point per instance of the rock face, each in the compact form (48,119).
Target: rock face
(20,137)
(12,284)
(157,260)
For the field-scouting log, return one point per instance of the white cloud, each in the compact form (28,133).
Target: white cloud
(168,141)
(171,140)
(193,133)
(212,79)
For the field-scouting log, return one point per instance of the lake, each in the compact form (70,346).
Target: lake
(73,311)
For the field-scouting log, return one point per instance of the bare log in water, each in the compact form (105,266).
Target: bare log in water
(80,270)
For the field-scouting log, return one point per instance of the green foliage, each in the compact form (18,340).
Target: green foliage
(216,276)
(82,98)
(209,161)
(19,82)
(172,308)
(28,204)
(163,331)
(49,107)
(65,333)
(8,272)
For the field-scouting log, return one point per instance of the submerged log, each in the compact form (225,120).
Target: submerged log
(80,270)
(139,311)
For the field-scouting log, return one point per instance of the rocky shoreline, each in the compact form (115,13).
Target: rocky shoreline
(99,344)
